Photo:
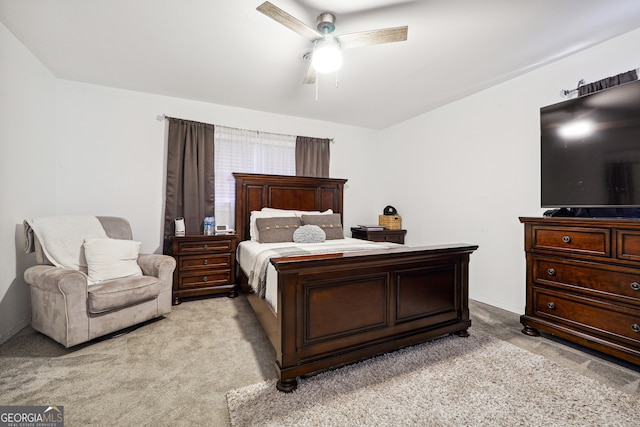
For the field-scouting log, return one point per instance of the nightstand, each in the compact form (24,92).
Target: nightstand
(205,265)
(386,235)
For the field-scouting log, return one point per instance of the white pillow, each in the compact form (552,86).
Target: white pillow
(275,213)
(111,258)
(296,212)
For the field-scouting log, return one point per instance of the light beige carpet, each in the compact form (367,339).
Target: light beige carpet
(474,381)
(171,372)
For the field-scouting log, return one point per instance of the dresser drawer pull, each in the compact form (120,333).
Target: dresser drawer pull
(551,272)
(205,262)
(205,278)
(635,327)
(205,246)
(635,286)
(566,239)
(552,305)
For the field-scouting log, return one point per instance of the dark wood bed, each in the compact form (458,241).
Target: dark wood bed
(342,308)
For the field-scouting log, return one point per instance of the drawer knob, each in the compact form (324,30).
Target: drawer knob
(635,286)
(206,246)
(566,239)
(551,272)
(552,305)
(205,262)
(635,327)
(205,278)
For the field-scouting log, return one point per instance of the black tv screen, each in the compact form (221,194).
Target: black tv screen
(590,150)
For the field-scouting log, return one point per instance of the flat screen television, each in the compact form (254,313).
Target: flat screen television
(590,154)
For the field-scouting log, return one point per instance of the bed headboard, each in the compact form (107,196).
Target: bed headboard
(256,191)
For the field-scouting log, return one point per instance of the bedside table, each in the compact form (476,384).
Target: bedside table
(386,235)
(205,265)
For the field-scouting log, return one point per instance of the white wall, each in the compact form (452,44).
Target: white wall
(475,166)
(112,154)
(27,169)
(70,147)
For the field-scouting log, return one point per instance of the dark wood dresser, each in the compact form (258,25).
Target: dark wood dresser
(386,235)
(583,282)
(205,265)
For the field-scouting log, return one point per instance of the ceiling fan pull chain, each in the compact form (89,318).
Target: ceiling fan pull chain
(317,86)
(336,80)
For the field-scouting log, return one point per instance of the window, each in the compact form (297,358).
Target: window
(246,151)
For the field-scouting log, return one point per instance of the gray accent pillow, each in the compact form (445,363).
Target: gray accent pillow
(330,224)
(309,234)
(277,229)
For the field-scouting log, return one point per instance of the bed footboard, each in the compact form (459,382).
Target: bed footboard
(341,308)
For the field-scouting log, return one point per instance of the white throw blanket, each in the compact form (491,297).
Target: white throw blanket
(254,259)
(62,238)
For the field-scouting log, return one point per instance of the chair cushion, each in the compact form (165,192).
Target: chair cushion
(114,294)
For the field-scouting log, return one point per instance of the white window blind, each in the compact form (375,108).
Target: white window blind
(246,151)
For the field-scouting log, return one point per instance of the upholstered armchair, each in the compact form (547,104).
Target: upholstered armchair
(77,303)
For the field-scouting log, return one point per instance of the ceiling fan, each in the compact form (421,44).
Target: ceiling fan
(327,51)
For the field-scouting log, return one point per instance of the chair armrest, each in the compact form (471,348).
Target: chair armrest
(160,266)
(56,279)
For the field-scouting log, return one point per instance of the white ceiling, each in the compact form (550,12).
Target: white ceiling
(225,52)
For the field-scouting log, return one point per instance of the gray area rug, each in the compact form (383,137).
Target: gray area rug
(452,381)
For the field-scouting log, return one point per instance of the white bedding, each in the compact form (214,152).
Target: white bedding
(253,257)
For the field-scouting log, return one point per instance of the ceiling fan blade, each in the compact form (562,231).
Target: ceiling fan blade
(366,38)
(288,21)
(310,76)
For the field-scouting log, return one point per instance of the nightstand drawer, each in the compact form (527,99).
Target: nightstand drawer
(205,265)
(208,279)
(225,245)
(584,241)
(396,238)
(391,236)
(205,262)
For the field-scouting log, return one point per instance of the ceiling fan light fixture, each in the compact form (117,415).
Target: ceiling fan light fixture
(327,56)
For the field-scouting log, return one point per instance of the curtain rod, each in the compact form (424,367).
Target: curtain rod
(568,93)
(162,117)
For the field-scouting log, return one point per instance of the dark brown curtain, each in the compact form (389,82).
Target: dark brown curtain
(621,78)
(312,156)
(190,179)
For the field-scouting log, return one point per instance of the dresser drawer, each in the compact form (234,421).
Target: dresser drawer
(575,240)
(628,245)
(204,279)
(193,262)
(591,316)
(588,277)
(209,246)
